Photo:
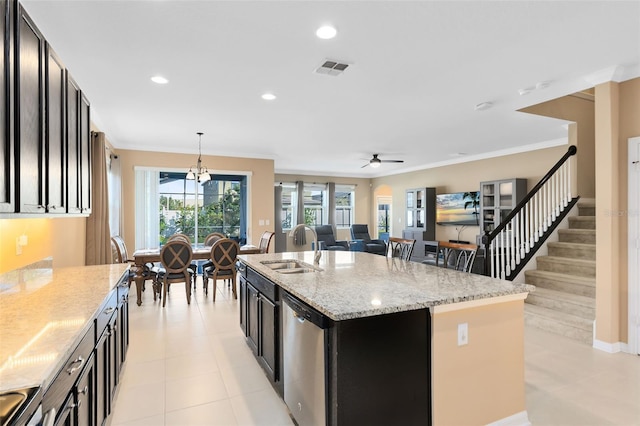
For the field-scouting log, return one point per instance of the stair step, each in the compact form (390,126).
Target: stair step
(567,325)
(572,250)
(565,265)
(582,286)
(584,236)
(582,222)
(586,210)
(580,306)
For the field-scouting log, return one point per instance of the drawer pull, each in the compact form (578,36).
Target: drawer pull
(76,365)
(84,391)
(109,310)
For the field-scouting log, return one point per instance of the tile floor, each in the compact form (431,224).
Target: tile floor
(190,365)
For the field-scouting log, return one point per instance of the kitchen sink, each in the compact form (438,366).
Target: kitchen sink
(289,266)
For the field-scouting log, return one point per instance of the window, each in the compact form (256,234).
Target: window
(315,205)
(344,198)
(167,202)
(288,202)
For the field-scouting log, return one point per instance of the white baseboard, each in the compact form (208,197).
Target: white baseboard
(518,419)
(611,348)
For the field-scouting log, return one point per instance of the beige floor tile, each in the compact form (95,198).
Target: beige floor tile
(261,408)
(194,390)
(143,373)
(245,378)
(219,413)
(139,402)
(189,365)
(147,421)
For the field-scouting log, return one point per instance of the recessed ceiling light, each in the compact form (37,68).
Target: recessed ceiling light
(543,85)
(525,91)
(326,32)
(483,105)
(159,79)
(269,96)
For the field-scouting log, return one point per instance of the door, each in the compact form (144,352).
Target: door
(253,328)
(633,218)
(384,217)
(55,134)
(85,395)
(268,328)
(6,108)
(73,158)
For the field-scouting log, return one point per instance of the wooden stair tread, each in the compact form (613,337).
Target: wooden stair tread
(564,296)
(560,317)
(563,277)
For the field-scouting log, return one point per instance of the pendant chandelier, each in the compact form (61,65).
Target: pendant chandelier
(201,172)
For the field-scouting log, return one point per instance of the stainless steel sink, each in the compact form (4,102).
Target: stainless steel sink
(290,266)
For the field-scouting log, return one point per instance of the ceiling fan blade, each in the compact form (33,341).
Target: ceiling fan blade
(364,166)
(392,161)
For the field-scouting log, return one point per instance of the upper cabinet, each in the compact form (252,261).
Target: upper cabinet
(44,122)
(7,171)
(29,146)
(420,214)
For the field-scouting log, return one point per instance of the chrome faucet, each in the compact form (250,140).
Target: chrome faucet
(316,253)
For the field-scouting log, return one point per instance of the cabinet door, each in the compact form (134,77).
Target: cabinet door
(67,415)
(85,395)
(55,134)
(84,154)
(268,338)
(114,357)
(73,159)
(243,304)
(123,313)
(7,202)
(102,378)
(30,121)
(253,329)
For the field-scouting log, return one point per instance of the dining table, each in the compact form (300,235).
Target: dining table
(152,255)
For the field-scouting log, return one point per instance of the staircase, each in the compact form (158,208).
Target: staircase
(564,300)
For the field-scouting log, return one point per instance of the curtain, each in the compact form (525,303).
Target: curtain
(331,191)
(115,194)
(300,237)
(98,236)
(147,208)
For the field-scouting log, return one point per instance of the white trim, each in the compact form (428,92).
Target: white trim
(633,247)
(611,348)
(518,419)
(451,307)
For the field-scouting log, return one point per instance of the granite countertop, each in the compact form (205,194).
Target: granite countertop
(43,315)
(357,284)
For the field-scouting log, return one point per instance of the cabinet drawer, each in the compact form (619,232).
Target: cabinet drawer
(106,313)
(264,286)
(68,375)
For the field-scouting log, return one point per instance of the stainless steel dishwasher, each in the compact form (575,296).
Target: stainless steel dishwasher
(304,352)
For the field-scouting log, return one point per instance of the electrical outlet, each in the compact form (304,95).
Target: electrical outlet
(463,334)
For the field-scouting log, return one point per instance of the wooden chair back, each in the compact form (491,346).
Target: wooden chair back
(176,256)
(224,254)
(458,256)
(121,249)
(401,248)
(184,237)
(212,238)
(265,241)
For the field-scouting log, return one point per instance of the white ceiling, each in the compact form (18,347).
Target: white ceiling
(417,69)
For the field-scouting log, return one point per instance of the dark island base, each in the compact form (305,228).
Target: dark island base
(379,370)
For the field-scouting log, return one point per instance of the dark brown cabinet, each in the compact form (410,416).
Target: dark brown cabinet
(55,139)
(7,170)
(45,127)
(85,396)
(29,141)
(259,308)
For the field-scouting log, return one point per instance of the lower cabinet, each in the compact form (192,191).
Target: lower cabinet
(82,392)
(259,308)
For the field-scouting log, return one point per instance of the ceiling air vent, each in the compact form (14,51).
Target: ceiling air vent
(330,67)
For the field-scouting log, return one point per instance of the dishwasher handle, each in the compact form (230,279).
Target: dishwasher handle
(302,311)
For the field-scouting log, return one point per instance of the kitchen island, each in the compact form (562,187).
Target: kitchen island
(405,343)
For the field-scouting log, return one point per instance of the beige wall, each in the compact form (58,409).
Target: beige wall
(260,184)
(580,110)
(462,177)
(481,382)
(63,239)
(362,202)
(617,112)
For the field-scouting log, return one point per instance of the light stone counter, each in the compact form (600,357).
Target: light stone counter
(43,315)
(357,284)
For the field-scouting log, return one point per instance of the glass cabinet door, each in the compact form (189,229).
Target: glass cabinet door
(410,219)
(506,194)
(410,200)
(419,199)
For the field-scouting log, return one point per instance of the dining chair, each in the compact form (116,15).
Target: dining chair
(265,241)
(212,238)
(224,253)
(120,255)
(458,256)
(194,265)
(176,258)
(401,248)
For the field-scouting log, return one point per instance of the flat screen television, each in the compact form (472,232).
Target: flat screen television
(458,209)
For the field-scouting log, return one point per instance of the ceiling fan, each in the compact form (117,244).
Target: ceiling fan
(375,161)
